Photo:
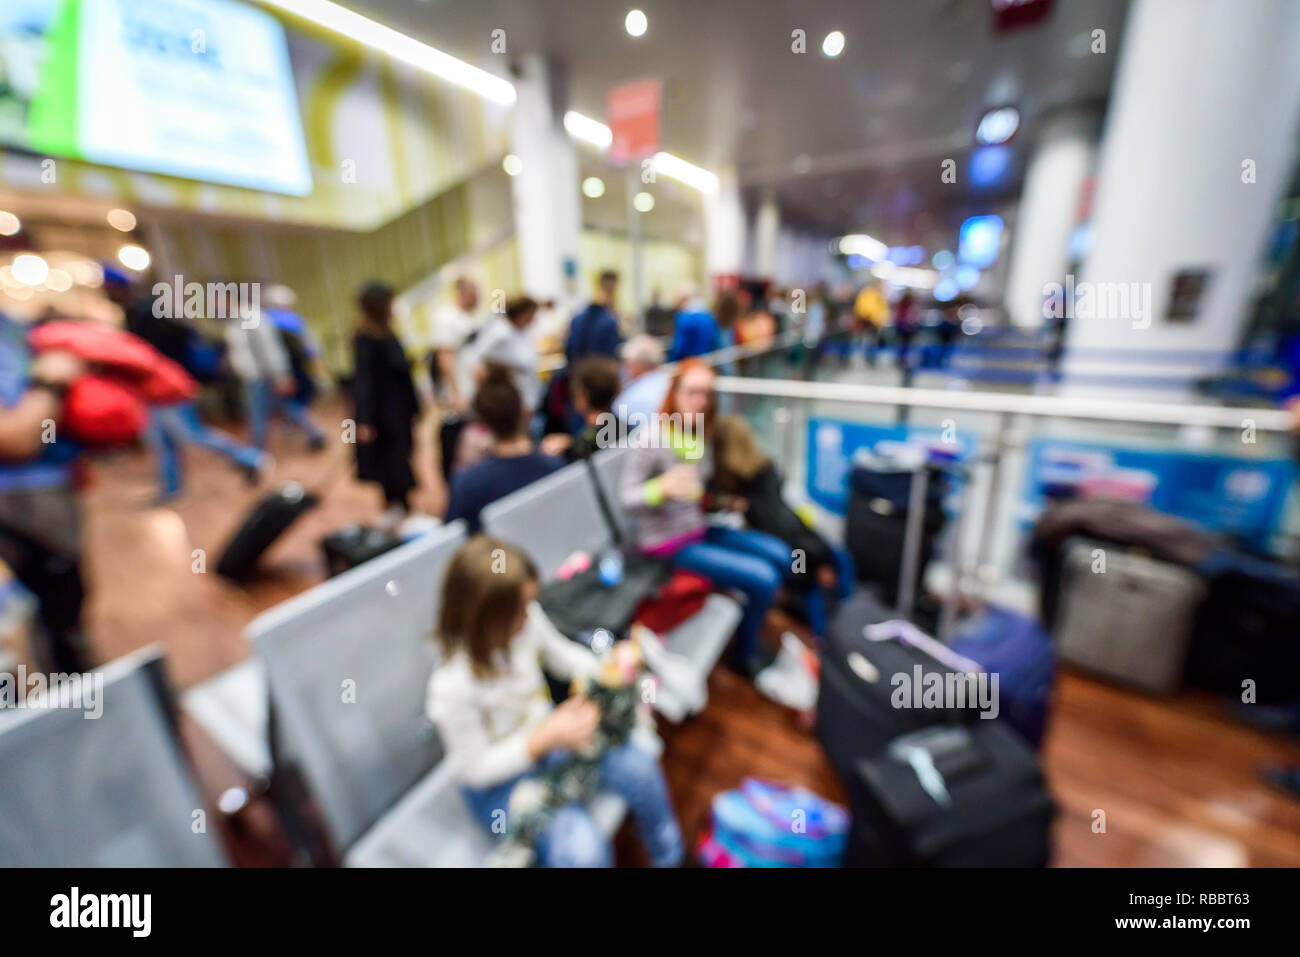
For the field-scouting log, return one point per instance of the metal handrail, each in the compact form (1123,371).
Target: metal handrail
(1065,407)
(716,358)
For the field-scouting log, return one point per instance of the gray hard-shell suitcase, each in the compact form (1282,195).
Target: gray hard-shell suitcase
(1126,616)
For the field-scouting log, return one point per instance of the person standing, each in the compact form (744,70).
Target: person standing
(507,341)
(173,426)
(695,331)
(870,316)
(258,358)
(386,405)
(40,521)
(594,331)
(303,349)
(455,326)
(907,320)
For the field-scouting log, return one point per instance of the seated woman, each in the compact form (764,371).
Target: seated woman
(490,704)
(511,461)
(663,489)
(745,480)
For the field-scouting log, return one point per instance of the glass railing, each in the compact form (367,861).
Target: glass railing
(1229,468)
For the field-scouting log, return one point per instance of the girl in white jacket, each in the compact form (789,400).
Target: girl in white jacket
(494,713)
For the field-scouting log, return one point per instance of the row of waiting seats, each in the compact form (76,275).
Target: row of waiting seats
(331,707)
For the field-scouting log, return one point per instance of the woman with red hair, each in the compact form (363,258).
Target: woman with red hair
(663,489)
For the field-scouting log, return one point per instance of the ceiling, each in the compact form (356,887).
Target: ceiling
(852,143)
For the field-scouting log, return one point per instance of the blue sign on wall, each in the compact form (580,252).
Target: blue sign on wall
(1221,493)
(832,444)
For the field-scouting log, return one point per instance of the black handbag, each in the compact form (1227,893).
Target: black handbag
(584,603)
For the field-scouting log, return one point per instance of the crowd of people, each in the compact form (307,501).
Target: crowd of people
(700,493)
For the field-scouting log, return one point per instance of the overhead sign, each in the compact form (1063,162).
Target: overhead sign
(632,111)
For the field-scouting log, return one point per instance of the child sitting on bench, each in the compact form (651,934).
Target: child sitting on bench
(490,703)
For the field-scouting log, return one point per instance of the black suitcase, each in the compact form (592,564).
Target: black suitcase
(856,716)
(353,544)
(876,519)
(1248,629)
(950,796)
(267,522)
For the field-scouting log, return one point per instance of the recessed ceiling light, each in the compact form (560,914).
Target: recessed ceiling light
(122,219)
(635,23)
(643,202)
(593,187)
(30,270)
(9,223)
(512,164)
(833,45)
(998,126)
(134,257)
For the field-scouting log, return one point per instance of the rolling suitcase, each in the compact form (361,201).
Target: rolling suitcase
(876,522)
(267,522)
(945,796)
(1247,630)
(856,710)
(1130,622)
(352,545)
(856,715)
(1019,652)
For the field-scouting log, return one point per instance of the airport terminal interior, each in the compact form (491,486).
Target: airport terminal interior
(743,433)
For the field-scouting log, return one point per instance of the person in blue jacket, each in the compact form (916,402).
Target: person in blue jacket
(594,331)
(695,331)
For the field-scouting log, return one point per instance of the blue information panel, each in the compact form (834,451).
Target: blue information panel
(1221,493)
(832,444)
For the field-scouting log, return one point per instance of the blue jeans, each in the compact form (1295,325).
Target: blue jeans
(754,562)
(171,426)
(263,402)
(820,600)
(573,839)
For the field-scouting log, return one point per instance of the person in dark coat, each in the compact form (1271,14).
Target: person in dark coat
(386,403)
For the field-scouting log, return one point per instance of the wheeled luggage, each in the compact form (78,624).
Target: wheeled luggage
(950,796)
(1248,629)
(1019,651)
(876,523)
(352,545)
(1125,616)
(267,522)
(857,713)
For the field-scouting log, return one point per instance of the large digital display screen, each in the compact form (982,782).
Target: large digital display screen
(195,88)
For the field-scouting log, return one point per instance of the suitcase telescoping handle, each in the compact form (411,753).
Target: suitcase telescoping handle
(913,532)
(914,537)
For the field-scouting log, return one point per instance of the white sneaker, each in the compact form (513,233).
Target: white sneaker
(788,680)
(676,674)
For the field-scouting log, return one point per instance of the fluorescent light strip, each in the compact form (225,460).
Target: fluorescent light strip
(860,244)
(598,134)
(684,172)
(399,46)
(588,130)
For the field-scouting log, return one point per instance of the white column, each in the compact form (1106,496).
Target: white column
(1199,144)
(724,228)
(1049,209)
(547,204)
(767,226)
